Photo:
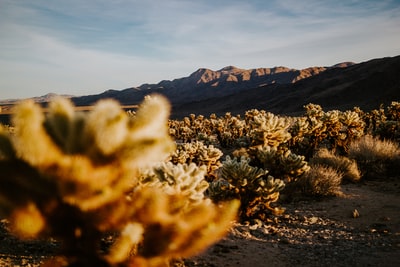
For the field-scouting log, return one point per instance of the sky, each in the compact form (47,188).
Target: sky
(86,47)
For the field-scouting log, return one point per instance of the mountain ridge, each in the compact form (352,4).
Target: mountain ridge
(228,76)
(280,90)
(205,83)
(365,85)
(205,76)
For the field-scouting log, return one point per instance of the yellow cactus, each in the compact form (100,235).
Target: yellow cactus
(198,153)
(269,130)
(255,189)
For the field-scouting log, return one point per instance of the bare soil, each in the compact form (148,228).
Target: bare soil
(325,232)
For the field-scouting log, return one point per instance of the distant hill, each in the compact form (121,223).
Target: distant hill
(38,99)
(280,90)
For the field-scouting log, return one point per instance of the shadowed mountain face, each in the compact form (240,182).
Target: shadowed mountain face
(279,90)
(365,85)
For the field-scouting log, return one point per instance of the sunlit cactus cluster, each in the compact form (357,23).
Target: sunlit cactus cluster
(256,190)
(225,131)
(178,179)
(282,162)
(384,122)
(200,154)
(288,148)
(332,129)
(267,129)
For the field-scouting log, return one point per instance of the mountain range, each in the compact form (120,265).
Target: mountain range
(280,90)
(205,84)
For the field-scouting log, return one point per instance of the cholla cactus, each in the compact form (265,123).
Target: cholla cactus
(269,130)
(250,114)
(393,111)
(180,130)
(293,165)
(373,119)
(299,127)
(389,130)
(181,179)
(352,127)
(229,129)
(197,152)
(385,123)
(75,176)
(341,128)
(331,119)
(224,131)
(192,128)
(314,111)
(282,163)
(313,134)
(333,129)
(251,185)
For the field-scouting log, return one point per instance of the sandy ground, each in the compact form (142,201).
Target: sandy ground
(310,233)
(320,233)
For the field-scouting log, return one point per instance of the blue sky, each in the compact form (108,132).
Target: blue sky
(86,47)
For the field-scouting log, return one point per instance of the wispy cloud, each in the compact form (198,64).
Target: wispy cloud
(88,46)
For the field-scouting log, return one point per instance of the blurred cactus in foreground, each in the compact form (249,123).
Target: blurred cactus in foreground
(76,176)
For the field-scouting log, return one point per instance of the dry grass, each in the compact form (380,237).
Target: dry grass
(375,157)
(321,180)
(373,149)
(342,164)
